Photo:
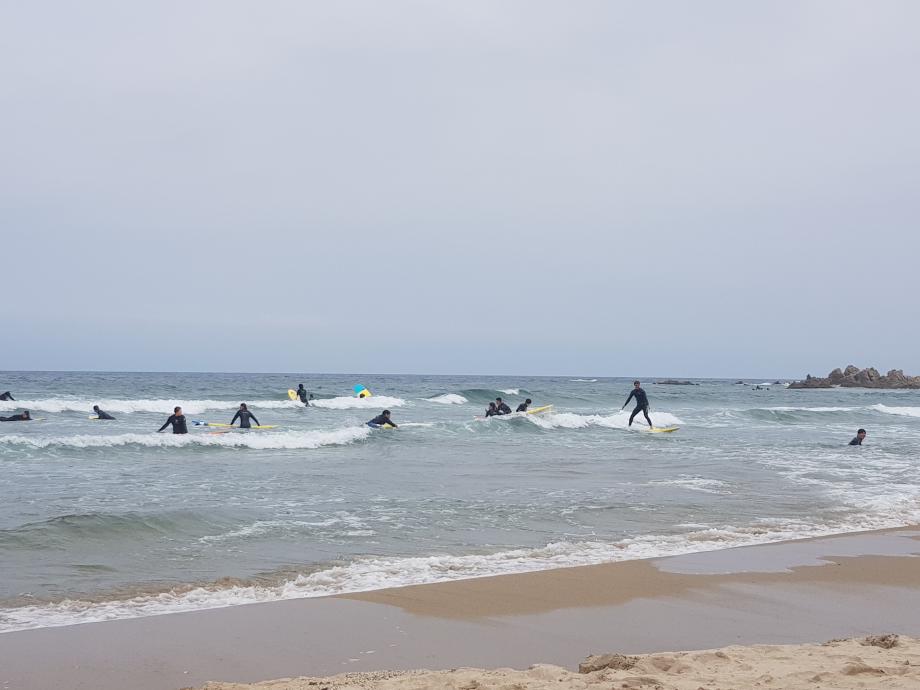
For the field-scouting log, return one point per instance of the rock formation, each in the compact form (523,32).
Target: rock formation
(853,377)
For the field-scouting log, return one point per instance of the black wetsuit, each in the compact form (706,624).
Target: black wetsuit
(16,418)
(244,417)
(302,394)
(6,396)
(491,412)
(380,420)
(857,441)
(503,409)
(521,408)
(103,415)
(641,405)
(178,424)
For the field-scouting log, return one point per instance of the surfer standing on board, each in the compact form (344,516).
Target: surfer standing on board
(641,403)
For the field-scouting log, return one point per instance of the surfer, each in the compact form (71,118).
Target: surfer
(641,403)
(305,397)
(492,411)
(382,419)
(100,414)
(524,405)
(502,407)
(858,439)
(244,415)
(177,419)
(6,396)
(24,416)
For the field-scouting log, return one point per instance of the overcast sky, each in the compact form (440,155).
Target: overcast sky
(597,188)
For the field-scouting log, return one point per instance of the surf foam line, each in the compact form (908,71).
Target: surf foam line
(900,411)
(449,399)
(618,420)
(368,574)
(257,440)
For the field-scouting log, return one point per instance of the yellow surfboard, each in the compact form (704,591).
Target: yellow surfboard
(540,410)
(662,429)
(292,394)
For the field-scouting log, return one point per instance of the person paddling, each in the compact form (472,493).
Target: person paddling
(100,414)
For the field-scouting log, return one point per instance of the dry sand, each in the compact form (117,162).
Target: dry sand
(880,662)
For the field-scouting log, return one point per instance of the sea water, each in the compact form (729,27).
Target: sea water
(109,519)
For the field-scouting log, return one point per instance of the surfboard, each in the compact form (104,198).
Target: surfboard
(540,410)
(100,419)
(662,429)
(198,422)
(381,426)
(292,394)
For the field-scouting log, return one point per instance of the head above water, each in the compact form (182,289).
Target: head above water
(491,405)
(95,408)
(243,406)
(177,410)
(25,413)
(528,401)
(386,413)
(861,432)
(498,400)
(637,383)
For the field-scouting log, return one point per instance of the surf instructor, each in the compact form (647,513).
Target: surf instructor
(641,403)
(177,419)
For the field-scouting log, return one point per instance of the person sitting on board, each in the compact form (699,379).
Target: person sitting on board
(6,396)
(244,415)
(492,411)
(100,414)
(641,403)
(24,416)
(502,407)
(858,439)
(177,419)
(382,420)
(524,405)
(303,395)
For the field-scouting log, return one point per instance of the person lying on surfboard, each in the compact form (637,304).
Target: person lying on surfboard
(6,396)
(524,405)
(382,420)
(502,407)
(244,415)
(641,403)
(100,414)
(24,416)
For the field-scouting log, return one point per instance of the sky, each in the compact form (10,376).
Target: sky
(478,187)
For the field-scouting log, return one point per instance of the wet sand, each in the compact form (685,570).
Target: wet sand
(777,594)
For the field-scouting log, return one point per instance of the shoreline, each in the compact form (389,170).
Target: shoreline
(554,616)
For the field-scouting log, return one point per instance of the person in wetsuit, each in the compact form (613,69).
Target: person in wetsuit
(641,403)
(100,414)
(502,407)
(524,405)
(381,419)
(244,415)
(305,397)
(492,411)
(24,416)
(177,419)
(6,396)
(858,439)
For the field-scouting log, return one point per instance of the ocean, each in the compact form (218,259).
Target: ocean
(104,520)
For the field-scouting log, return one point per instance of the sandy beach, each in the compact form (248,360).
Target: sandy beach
(880,662)
(808,591)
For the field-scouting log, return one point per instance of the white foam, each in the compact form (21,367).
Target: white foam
(618,420)
(254,439)
(709,486)
(449,399)
(374,402)
(163,406)
(370,573)
(901,411)
(583,380)
(510,391)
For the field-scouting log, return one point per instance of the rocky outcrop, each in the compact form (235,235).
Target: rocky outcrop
(854,377)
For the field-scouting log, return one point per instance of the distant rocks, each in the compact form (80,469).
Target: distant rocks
(853,377)
(675,382)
